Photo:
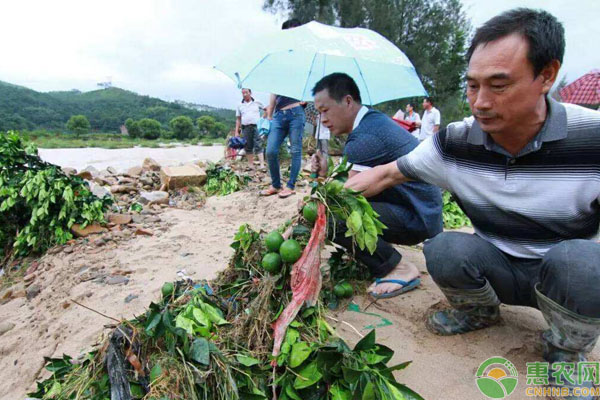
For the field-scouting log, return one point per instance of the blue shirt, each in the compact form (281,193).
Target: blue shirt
(378,140)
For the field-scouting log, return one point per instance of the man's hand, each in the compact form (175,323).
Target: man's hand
(375,180)
(317,161)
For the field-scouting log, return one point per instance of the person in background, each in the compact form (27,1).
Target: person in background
(413,116)
(287,119)
(247,115)
(430,123)
(525,170)
(411,212)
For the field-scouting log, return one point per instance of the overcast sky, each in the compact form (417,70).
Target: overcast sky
(167,49)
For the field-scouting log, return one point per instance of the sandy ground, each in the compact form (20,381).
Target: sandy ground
(123,159)
(198,242)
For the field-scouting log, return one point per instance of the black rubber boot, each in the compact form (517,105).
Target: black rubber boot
(473,309)
(570,337)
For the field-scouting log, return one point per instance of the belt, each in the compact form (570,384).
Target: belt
(243,126)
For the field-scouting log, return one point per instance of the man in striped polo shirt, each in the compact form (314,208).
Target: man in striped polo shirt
(526,170)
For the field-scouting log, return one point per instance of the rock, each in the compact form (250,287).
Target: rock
(98,190)
(134,171)
(143,232)
(69,171)
(85,175)
(90,169)
(123,189)
(125,180)
(146,180)
(33,291)
(88,230)
(29,278)
(111,170)
(152,218)
(137,219)
(154,197)
(186,175)
(5,327)
(68,249)
(131,297)
(99,242)
(116,280)
(150,164)
(119,219)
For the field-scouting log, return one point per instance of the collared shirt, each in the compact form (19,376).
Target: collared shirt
(430,119)
(522,204)
(377,140)
(249,111)
(359,116)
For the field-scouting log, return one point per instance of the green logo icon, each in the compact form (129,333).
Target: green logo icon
(497,378)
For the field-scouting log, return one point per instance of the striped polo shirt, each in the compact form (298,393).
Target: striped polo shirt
(526,204)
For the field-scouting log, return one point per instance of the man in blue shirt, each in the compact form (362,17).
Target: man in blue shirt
(412,211)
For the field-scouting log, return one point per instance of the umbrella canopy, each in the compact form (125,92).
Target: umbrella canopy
(290,62)
(585,90)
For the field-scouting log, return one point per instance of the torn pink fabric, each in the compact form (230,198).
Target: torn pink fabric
(306,280)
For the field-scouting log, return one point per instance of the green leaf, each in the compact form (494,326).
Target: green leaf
(214,315)
(366,343)
(369,392)
(354,222)
(247,360)
(185,323)
(200,352)
(289,390)
(201,317)
(308,376)
(371,242)
(339,393)
(300,352)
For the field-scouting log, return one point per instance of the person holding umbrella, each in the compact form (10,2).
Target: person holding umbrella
(287,120)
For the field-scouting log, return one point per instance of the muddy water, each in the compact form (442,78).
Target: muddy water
(123,159)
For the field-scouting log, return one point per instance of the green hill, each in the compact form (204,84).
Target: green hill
(107,109)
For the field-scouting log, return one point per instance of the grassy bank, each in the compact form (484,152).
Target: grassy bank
(53,140)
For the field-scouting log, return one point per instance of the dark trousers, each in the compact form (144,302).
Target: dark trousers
(568,274)
(401,224)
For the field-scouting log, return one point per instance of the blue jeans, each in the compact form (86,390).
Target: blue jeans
(568,274)
(287,122)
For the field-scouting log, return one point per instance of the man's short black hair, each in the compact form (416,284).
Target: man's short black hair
(429,100)
(338,85)
(290,23)
(544,34)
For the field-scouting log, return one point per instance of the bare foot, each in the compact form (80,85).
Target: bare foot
(405,271)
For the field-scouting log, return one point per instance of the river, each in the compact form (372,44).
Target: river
(123,159)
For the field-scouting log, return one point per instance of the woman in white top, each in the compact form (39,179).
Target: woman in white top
(413,116)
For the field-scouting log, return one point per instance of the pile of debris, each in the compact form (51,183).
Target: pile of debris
(147,185)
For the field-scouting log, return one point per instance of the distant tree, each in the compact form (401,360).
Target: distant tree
(182,127)
(206,125)
(220,130)
(159,113)
(150,128)
(133,128)
(432,34)
(78,124)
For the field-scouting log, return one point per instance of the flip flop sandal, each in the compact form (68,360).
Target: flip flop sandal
(268,192)
(406,287)
(286,195)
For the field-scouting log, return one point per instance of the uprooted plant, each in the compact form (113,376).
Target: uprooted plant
(260,330)
(38,202)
